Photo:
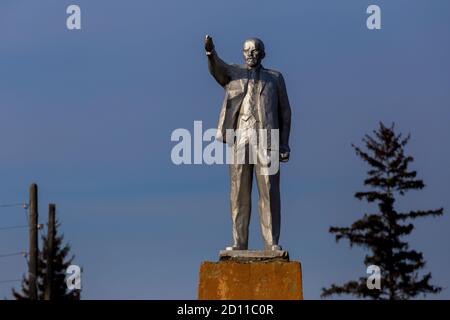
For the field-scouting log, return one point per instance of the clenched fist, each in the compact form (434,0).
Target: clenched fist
(209,45)
(284,156)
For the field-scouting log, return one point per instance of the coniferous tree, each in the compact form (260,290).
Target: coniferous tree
(25,290)
(61,261)
(382,232)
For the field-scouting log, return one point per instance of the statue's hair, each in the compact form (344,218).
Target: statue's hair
(259,43)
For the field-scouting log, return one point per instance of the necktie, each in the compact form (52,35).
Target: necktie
(249,104)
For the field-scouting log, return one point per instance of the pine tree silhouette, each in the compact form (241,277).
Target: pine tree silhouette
(382,232)
(61,262)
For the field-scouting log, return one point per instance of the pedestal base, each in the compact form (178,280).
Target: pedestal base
(253,255)
(237,279)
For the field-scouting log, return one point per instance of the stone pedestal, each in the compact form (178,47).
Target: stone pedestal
(251,275)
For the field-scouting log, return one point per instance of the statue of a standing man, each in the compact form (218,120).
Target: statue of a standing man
(255,100)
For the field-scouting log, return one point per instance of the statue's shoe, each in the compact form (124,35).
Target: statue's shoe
(276,247)
(232,248)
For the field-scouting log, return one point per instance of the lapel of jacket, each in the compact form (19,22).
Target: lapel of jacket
(263,78)
(243,79)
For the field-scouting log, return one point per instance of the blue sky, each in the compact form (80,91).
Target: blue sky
(88,116)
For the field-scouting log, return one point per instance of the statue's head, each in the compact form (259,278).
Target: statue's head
(253,52)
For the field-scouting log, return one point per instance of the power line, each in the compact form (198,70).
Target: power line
(39,227)
(9,281)
(14,205)
(23,205)
(21,253)
(13,227)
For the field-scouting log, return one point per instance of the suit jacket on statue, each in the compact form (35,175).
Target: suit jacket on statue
(273,109)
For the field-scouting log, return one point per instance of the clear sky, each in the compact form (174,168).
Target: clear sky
(88,116)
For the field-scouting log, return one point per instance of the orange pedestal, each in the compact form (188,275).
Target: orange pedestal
(256,280)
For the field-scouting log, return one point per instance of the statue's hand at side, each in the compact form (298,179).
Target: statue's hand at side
(284,156)
(209,45)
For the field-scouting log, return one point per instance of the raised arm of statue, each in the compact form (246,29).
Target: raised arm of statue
(218,69)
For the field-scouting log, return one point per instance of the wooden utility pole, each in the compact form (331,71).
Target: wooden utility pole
(33,249)
(50,251)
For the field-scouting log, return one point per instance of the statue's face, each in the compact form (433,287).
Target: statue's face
(253,54)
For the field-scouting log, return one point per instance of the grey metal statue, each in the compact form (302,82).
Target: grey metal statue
(255,98)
